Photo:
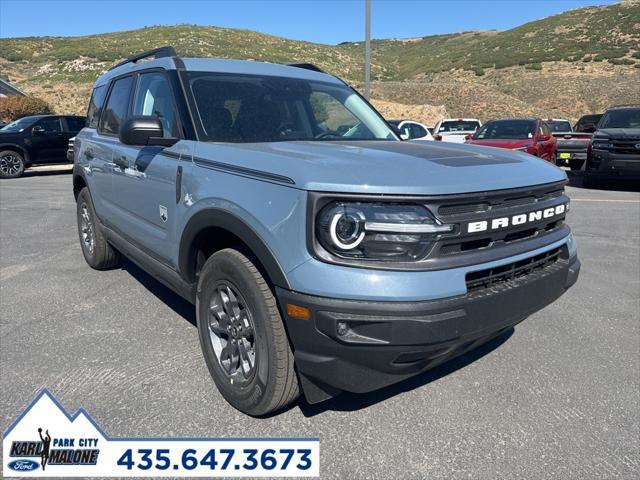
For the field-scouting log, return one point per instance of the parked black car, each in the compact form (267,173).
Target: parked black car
(34,140)
(614,150)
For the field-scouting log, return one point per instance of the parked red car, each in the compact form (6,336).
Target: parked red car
(531,135)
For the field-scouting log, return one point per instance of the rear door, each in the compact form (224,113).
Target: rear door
(145,194)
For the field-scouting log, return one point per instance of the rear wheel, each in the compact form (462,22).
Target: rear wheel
(11,164)
(242,335)
(95,248)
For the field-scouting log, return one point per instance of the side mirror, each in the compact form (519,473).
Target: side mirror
(38,130)
(468,136)
(544,137)
(144,130)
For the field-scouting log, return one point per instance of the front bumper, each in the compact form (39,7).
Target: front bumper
(386,342)
(607,164)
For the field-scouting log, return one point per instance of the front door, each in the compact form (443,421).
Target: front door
(144,185)
(48,141)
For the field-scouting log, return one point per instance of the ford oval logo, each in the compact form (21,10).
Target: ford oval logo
(23,465)
(637,146)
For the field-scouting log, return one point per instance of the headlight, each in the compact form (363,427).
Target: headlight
(601,144)
(377,231)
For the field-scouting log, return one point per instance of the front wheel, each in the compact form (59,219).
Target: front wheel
(242,335)
(11,164)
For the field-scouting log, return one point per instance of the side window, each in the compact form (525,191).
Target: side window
(340,120)
(544,129)
(153,97)
(50,124)
(115,112)
(75,124)
(417,131)
(95,106)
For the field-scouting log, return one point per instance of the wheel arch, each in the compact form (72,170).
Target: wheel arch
(220,223)
(79,181)
(17,148)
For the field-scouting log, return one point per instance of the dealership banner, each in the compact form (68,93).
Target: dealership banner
(45,441)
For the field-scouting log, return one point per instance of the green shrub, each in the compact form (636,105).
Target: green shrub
(534,66)
(479,71)
(587,59)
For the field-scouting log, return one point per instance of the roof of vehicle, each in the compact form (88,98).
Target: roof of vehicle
(621,107)
(459,120)
(219,65)
(557,120)
(533,119)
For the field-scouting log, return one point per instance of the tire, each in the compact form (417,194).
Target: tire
(11,164)
(248,357)
(95,248)
(575,164)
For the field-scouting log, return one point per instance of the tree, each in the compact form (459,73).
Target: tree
(12,108)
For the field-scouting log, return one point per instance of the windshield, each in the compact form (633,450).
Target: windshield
(623,118)
(255,108)
(559,126)
(458,126)
(19,125)
(507,129)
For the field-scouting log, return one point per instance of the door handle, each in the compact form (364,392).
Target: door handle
(178,184)
(121,162)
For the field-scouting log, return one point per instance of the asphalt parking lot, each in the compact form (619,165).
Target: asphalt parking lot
(557,397)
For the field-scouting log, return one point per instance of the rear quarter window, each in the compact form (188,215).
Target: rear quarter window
(95,106)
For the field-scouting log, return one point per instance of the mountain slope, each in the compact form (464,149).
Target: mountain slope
(579,61)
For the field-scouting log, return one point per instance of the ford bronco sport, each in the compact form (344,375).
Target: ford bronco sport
(322,253)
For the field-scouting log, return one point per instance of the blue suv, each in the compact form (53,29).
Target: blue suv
(322,253)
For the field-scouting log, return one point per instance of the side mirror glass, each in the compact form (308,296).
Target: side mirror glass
(143,131)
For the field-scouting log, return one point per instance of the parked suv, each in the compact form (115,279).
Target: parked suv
(321,252)
(455,130)
(35,140)
(614,151)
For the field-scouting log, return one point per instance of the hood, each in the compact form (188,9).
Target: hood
(618,133)
(502,142)
(387,167)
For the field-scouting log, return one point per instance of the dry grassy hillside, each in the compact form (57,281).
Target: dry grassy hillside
(577,62)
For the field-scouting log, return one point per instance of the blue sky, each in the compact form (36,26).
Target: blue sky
(327,21)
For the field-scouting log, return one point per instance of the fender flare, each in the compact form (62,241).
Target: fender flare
(222,219)
(78,172)
(21,149)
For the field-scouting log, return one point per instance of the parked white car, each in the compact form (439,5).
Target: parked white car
(455,130)
(410,130)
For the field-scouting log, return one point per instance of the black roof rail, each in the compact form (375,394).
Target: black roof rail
(162,52)
(306,66)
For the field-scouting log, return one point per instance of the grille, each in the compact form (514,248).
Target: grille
(627,146)
(498,204)
(484,279)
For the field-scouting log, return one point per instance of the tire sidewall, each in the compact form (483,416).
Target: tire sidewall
(22,164)
(85,199)
(249,397)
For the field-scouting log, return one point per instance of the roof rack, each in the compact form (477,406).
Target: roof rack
(162,52)
(306,66)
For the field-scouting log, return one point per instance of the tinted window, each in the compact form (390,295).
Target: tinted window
(544,129)
(19,125)
(95,106)
(153,98)
(75,124)
(507,129)
(559,126)
(253,108)
(117,106)
(50,124)
(417,131)
(623,118)
(588,123)
(458,126)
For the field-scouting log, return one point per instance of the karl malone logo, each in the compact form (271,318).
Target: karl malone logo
(46,438)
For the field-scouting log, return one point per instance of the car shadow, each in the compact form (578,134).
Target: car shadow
(576,180)
(348,402)
(174,301)
(345,402)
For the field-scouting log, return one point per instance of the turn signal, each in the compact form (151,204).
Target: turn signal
(296,311)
